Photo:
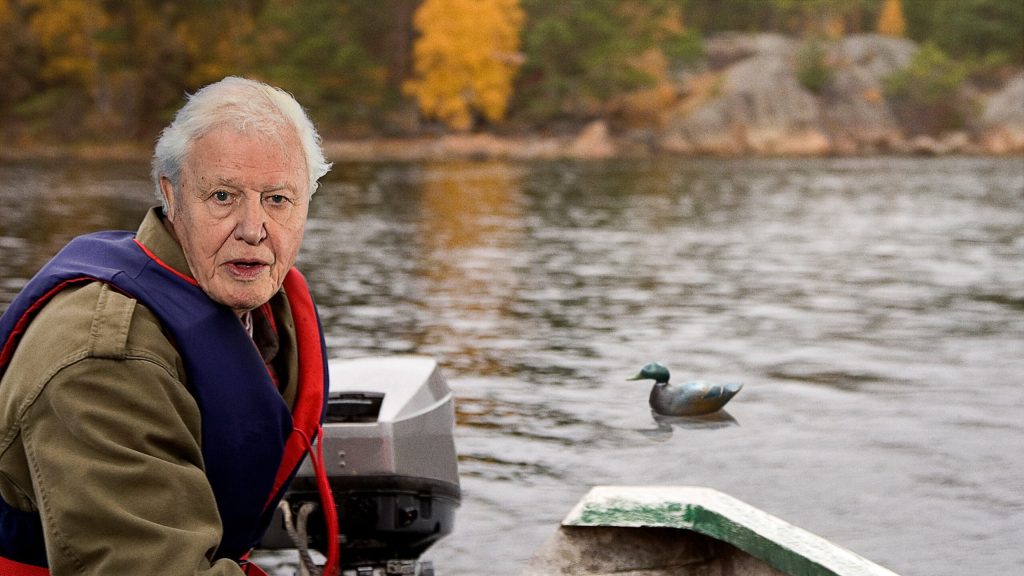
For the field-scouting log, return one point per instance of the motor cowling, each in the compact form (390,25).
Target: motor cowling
(389,455)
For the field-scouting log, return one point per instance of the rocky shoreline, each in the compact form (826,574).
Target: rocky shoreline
(746,98)
(593,143)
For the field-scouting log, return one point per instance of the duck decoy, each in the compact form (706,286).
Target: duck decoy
(691,398)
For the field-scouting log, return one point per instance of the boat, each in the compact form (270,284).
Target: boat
(685,530)
(392,466)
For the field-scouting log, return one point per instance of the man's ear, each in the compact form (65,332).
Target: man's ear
(167,189)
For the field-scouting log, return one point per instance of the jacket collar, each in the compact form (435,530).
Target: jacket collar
(155,236)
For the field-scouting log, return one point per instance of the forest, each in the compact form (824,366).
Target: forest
(115,70)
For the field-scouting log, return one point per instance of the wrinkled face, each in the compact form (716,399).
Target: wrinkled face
(240,213)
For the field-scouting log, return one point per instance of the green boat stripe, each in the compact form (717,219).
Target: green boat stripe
(783,546)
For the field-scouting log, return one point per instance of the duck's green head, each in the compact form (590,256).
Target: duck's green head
(653,371)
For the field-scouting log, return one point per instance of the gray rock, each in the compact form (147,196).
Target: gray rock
(1002,120)
(1006,107)
(726,49)
(761,104)
(749,99)
(874,57)
(855,109)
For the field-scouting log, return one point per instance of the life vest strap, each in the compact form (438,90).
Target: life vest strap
(247,566)
(316,457)
(12,568)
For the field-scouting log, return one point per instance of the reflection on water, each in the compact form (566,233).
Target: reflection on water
(46,204)
(871,307)
(666,425)
(720,419)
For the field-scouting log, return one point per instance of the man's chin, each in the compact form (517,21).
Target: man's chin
(242,303)
(240,296)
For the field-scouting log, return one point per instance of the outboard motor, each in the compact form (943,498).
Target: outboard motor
(389,454)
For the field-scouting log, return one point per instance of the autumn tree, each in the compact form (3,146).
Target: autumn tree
(713,16)
(820,18)
(465,59)
(890,20)
(67,84)
(925,95)
(582,55)
(17,60)
(331,71)
(214,37)
(66,31)
(671,44)
(969,28)
(150,62)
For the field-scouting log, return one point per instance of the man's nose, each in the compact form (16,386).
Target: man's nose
(252,219)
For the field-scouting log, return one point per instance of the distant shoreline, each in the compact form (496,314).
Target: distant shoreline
(470,148)
(484,146)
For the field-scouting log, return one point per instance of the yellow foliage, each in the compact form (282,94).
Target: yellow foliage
(647,106)
(835,27)
(673,22)
(465,59)
(890,20)
(641,18)
(66,30)
(873,95)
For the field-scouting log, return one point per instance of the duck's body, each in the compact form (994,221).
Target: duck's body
(691,398)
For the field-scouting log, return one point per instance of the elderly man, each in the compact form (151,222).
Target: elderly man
(160,388)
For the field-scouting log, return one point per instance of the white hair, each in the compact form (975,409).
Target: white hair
(243,105)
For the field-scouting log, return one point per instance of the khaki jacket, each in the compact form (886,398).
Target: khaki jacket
(99,433)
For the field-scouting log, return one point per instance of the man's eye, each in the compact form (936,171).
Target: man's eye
(221,196)
(278,199)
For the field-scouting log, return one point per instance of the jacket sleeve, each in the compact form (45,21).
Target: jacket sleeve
(113,450)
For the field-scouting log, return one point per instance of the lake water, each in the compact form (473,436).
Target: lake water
(873,308)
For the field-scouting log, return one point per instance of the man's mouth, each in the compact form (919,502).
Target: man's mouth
(246,269)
